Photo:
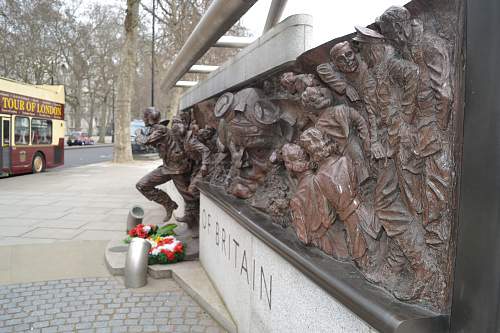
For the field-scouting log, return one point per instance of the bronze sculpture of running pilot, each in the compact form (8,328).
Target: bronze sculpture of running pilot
(176,167)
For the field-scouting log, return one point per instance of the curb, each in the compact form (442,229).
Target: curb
(146,157)
(99,145)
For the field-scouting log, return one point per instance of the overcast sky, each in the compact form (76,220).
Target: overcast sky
(332,18)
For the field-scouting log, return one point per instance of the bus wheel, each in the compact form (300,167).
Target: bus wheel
(38,164)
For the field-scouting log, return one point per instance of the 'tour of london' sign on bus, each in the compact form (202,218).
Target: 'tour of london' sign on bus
(30,106)
(31,127)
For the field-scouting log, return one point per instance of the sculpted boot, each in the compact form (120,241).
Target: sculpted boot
(191,210)
(170,206)
(191,218)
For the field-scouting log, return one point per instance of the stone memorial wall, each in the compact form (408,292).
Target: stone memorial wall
(355,148)
(348,156)
(263,291)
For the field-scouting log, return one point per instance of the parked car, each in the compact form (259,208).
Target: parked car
(138,127)
(78,138)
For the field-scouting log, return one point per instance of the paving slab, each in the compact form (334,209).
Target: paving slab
(53,233)
(14,230)
(9,213)
(41,262)
(8,241)
(88,217)
(46,215)
(18,222)
(111,226)
(62,223)
(73,209)
(114,218)
(100,234)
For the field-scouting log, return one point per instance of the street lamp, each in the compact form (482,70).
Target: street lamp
(153,58)
(113,115)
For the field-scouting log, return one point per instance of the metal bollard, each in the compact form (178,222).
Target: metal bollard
(135,216)
(136,264)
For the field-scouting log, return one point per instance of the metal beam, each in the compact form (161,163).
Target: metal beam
(274,15)
(234,42)
(202,69)
(219,18)
(184,84)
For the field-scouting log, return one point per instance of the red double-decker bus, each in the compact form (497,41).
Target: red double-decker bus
(31,127)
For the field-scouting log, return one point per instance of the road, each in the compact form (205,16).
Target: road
(86,155)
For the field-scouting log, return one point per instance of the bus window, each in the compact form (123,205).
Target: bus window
(22,131)
(41,131)
(6,132)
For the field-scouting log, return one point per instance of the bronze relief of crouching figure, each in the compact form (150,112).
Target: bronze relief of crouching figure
(249,129)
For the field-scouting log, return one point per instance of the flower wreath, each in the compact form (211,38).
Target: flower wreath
(165,248)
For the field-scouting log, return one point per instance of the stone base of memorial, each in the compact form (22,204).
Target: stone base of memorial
(272,283)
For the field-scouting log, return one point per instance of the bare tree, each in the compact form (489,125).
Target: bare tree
(123,150)
(78,44)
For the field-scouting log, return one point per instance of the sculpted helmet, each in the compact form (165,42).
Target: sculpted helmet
(249,118)
(395,14)
(151,116)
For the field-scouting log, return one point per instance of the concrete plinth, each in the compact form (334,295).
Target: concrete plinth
(262,291)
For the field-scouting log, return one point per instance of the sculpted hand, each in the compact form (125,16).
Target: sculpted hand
(236,155)
(204,170)
(377,151)
(352,94)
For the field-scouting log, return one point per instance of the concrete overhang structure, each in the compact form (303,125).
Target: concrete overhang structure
(279,47)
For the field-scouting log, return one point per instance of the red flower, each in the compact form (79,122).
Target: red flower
(178,248)
(170,255)
(137,231)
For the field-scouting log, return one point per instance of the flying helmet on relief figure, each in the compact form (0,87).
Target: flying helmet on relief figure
(223,104)
(250,99)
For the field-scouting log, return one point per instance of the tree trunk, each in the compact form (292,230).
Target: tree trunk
(78,107)
(122,149)
(91,117)
(103,120)
(91,110)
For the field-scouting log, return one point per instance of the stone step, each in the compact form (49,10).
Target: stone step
(190,275)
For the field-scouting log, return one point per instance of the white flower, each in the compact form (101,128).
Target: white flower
(156,250)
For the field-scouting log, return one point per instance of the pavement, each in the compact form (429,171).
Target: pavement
(83,203)
(99,305)
(54,228)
